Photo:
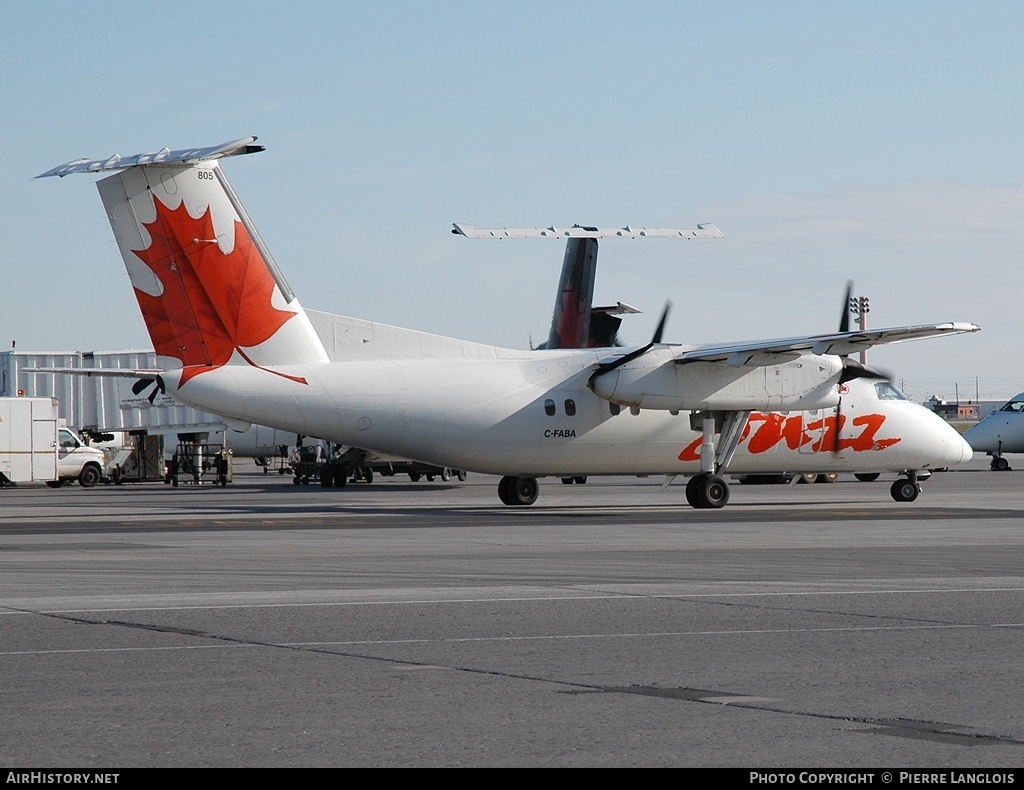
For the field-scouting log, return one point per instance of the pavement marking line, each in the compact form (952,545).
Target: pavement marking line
(549,637)
(625,596)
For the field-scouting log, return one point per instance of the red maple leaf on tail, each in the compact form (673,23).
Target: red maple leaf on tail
(212,303)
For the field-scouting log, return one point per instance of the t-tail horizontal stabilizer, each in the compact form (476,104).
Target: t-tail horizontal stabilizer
(576,323)
(703,231)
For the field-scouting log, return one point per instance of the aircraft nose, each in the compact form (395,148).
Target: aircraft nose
(983,435)
(960,451)
(946,446)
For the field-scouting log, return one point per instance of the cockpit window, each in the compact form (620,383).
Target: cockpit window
(886,391)
(1014,405)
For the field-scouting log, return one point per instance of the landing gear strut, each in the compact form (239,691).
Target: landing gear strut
(708,489)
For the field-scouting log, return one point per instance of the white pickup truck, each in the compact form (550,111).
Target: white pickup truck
(76,461)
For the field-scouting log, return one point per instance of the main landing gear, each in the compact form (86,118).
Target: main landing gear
(707,490)
(518,490)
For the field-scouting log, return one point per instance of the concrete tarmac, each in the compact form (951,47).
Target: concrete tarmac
(425,624)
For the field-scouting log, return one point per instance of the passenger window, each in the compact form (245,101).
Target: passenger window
(549,407)
(570,407)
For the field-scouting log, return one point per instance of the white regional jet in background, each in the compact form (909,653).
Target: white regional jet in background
(1000,432)
(234,340)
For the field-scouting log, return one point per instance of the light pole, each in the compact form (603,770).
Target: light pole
(860,307)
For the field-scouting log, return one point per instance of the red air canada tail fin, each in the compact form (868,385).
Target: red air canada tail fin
(209,290)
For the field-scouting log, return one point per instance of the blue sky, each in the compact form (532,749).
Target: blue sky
(872,141)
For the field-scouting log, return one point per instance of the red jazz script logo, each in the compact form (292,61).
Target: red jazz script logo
(764,431)
(212,303)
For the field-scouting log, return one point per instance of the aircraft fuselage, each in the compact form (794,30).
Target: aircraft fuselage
(536,415)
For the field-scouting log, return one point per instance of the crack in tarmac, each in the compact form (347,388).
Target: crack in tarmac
(896,727)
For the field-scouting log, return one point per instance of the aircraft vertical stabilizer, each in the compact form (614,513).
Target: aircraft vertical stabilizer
(208,288)
(570,324)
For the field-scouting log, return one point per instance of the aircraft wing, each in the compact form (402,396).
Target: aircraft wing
(703,231)
(774,352)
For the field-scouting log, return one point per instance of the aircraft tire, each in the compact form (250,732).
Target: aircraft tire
(867,477)
(707,491)
(503,485)
(691,490)
(461,474)
(715,492)
(580,481)
(904,490)
(518,491)
(523,490)
(327,476)
(567,481)
(1000,464)
(446,474)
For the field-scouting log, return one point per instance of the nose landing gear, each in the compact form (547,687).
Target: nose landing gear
(906,489)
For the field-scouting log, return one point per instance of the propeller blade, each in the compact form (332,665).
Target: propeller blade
(852,369)
(605,367)
(617,363)
(661,324)
(159,388)
(839,422)
(844,320)
(140,385)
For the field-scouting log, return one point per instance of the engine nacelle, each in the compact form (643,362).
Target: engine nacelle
(655,381)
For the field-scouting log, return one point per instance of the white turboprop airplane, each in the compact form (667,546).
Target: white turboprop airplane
(1000,432)
(234,340)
